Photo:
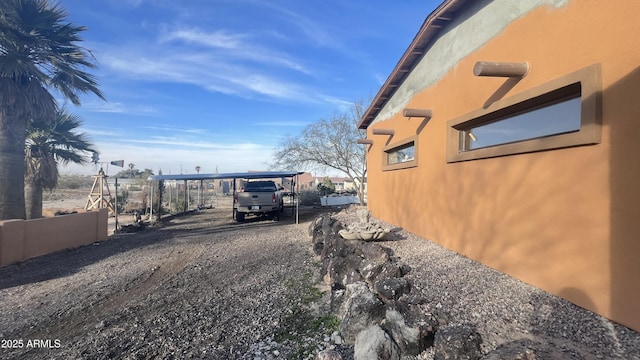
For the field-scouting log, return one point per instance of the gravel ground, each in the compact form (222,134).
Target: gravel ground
(203,286)
(459,291)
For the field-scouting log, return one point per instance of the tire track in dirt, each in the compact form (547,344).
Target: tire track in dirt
(78,321)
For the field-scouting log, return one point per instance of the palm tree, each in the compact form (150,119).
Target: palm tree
(48,144)
(38,54)
(131,167)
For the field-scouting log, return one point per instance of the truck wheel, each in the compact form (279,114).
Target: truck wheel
(276,215)
(240,217)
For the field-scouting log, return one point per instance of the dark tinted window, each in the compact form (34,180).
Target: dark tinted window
(557,118)
(401,154)
(260,186)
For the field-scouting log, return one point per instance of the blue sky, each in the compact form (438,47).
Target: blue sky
(220,83)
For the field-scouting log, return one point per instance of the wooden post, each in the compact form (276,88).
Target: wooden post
(500,69)
(389,132)
(365,141)
(419,113)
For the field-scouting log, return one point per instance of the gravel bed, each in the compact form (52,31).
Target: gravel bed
(459,291)
(204,287)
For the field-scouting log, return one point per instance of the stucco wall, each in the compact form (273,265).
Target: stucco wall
(563,220)
(483,20)
(23,239)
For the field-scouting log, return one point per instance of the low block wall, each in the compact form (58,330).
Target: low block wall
(338,200)
(24,239)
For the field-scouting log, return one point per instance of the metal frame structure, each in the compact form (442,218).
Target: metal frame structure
(234,177)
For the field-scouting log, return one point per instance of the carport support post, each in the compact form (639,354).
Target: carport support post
(233,201)
(151,210)
(116,207)
(200,194)
(295,195)
(186,196)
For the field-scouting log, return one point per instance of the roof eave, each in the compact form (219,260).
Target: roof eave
(421,42)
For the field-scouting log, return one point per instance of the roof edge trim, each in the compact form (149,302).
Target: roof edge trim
(411,56)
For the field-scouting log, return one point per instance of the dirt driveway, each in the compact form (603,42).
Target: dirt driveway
(197,286)
(202,286)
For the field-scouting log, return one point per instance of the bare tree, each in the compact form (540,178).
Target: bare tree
(329,144)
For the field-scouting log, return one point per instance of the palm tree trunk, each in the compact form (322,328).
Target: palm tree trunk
(33,199)
(12,138)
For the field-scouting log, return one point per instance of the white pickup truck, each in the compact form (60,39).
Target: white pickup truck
(258,198)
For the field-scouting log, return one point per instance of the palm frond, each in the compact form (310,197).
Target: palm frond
(39,50)
(49,143)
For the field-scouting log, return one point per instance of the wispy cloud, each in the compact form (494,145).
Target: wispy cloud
(173,143)
(119,108)
(217,39)
(96,133)
(210,71)
(313,30)
(175,129)
(237,46)
(340,103)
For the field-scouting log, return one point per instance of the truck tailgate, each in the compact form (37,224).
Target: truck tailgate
(251,200)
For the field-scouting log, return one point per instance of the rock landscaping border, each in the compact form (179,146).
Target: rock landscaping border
(385,314)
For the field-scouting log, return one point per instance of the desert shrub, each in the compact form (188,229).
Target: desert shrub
(123,197)
(309,198)
(178,205)
(70,181)
(326,187)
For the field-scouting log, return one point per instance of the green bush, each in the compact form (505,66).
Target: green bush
(327,187)
(309,198)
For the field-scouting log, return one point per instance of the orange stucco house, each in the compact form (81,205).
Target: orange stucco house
(509,132)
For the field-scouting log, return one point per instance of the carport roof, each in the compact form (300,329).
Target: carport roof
(242,175)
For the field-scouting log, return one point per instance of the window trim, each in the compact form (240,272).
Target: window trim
(586,80)
(402,165)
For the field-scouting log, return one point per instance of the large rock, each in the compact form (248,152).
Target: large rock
(458,342)
(328,355)
(347,261)
(392,288)
(361,309)
(411,340)
(337,300)
(320,229)
(334,247)
(318,243)
(375,253)
(375,343)
(341,271)
(316,225)
(336,226)
(377,263)
(375,272)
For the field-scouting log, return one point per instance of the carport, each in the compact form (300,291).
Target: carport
(293,175)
